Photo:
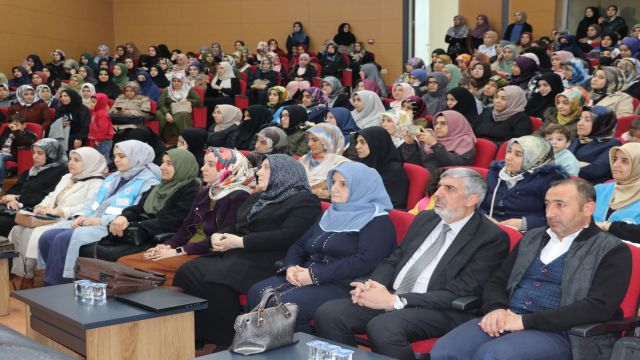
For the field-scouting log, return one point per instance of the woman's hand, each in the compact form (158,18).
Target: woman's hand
(215,87)
(427,137)
(8,198)
(169,118)
(298,276)
(514,223)
(603,225)
(290,276)
(183,101)
(86,221)
(160,252)
(224,242)
(408,137)
(118,225)
(13,205)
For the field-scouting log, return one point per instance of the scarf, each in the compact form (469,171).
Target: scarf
(319,101)
(436,101)
(407,90)
(614,81)
(20,95)
(276,139)
(367,199)
(231,115)
(344,38)
(297,116)
(603,124)
(538,104)
(627,191)
(344,120)
(298,37)
(108,87)
(455,74)
(54,152)
(148,87)
(39,89)
(537,152)
(25,79)
(371,72)
(459,31)
(633,44)
(287,178)
(630,70)
(465,104)
(332,142)
(459,138)
(336,88)
(372,108)
(397,117)
(185,171)
(579,74)
(528,68)
(183,92)
(94,165)
(516,101)
(225,78)
(371,86)
(160,79)
(196,140)
(123,78)
(479,31)
(505,65)
(37,63)
(140,157)
(247,130)
(234,173)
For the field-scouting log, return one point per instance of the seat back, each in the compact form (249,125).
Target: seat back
(347,78)
(485,152)
(325,205)
(629,304)
(636,104)
(243,87)
(502,151)
(624,123)
(418,179)
(153,107)
(536,122)
(35,128)
(514,235)
(401,221)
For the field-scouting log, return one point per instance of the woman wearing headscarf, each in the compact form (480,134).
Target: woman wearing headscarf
(297,37)
(34,62)
(6,96)
(332,63)
(277,102)
(160,210)
(49,165)
(316,103)
(456,37)
(370,72)
(31,107)
(268,223)
(334,90)
(517,186)
(343,119)
(87,90)
(255,118)
(39,78)
(158,76)
(229,181)
(416,106)
(300,75)
(59,247)
(120,75)
(575,73)
(20,77)
(145,135)
(173,117)
(436,97)
(359,56)
(194,140)
(87,169)
(222,89)
(57,61)
(106,85)
(293,121)
(505,59)
(595,137)
(414,63)
(87,74)
(618,202)
(489,44)
(522,71)
(591,16)
(454,75)
(259,82)
(557,59)
(86,59)
(542,101)
(629,47)
(46,95)
(613,22)
(103,52)
(400,91)
(606,86)
(75,83)
(71,116)
(222,133)
(344,38)
(269,140)
(376,150)
(352,236)
(130,104)
(506,119)
(630,68)
(462,101)
(326,145)
(367,108)
(148,88)
(481,73)
(516,28)
(370,85)
(477,34)
(397,122)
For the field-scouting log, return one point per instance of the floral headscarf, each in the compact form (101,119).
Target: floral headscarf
(234,173)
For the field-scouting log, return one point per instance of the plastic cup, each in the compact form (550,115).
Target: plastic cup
(314,349)
(78,286)
(99,292)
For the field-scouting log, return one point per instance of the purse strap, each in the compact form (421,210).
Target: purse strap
(266,295)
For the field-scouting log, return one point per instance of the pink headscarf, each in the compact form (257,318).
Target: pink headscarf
(460,138)
(407,90)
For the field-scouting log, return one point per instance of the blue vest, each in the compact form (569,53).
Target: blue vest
(629,214)
(125,197)
(540,287)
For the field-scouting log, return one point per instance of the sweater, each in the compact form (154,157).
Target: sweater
(501,131)
(32,189)
(597,155)
(24,138)
(72,200)
(37,113)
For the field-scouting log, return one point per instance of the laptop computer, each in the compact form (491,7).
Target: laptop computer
(160,299)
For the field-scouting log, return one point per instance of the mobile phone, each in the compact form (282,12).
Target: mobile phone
(414,129)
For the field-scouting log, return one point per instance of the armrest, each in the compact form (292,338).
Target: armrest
(467,303)
(586,330)
(162,237)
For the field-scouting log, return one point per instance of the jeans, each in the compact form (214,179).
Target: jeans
(3,169)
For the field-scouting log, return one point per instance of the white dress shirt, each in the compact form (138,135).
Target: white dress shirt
(556,247)
(423,280)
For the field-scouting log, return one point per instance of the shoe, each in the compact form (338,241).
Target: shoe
(21,283)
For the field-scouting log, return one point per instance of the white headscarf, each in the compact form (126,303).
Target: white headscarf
(20,95)
(93,163)
(226,77)
(177,95)
(140,157)
(372,109)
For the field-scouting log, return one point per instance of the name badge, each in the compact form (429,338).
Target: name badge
(95,206)
(122,202)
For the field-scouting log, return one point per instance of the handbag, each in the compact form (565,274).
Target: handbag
(177,107)
(264,328)
(30,221)
(134,234)
(120,279)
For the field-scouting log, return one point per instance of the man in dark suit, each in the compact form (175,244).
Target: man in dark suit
(446,254)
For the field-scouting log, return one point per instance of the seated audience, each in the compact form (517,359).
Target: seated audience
(400,91)
(31,107)
(516,186)
(331,62)
(575,73)
(567,110)
(222,89)
(131,106)
(595,138)
(255,118)
(268,223)
(436,97)
(72,121)
(543,97)
(87,169)
(506,119)
(316,103)
(347,242)
(606,90)
(259,82)
(226,119)
(371,72)
(528,315)
(148,87)
(106,85)
(630,68)
(293,121)
(277,102)
(343,119)
(300,76)
(87,90)
(229,181)
(334,90)
(6,96)
(175,106)
(453,74)
(463,101)
(270,140)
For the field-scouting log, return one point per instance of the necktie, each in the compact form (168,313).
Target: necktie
(406,285)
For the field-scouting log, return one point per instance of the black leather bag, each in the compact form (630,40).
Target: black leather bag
(133,235)
(265,328)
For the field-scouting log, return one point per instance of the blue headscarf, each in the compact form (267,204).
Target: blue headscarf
(148,87)
(344,120)
(420,74)
(367,199)
(579,73)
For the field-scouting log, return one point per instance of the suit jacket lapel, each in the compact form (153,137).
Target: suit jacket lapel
(464,236)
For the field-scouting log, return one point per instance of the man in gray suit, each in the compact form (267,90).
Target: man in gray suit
(446,254)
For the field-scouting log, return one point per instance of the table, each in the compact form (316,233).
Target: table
(109,330)
(5,282)
(296,351)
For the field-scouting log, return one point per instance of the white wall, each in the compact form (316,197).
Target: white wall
(432,19)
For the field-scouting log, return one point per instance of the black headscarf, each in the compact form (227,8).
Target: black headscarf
(72,107)
(247,130)
(160,79)
(386,159)
(538,103)
(163,51)
(37,63)
(108,87)
(545,61)
(586,21)
(486,75)
(603,123)
(344,38)
(17,82)
(196,140)
(466,103)
(297,116)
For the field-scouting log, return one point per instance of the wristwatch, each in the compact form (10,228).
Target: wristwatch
(399,303)
(180,251)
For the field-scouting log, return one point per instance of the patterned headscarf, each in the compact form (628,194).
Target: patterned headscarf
(336,88)
(630,70)
(330,136)
(282,94)
(537,152)
(614,81)
(578,73)
(318,97)
(287,178)
(401,126)
(234,173)
(578,98)
(418,106)
(20,95)
(55,153)
(276,139)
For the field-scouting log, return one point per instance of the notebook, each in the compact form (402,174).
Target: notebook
(160,299)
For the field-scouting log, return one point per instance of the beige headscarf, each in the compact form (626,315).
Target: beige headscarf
(93,163)
(230,115)
(626,191)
